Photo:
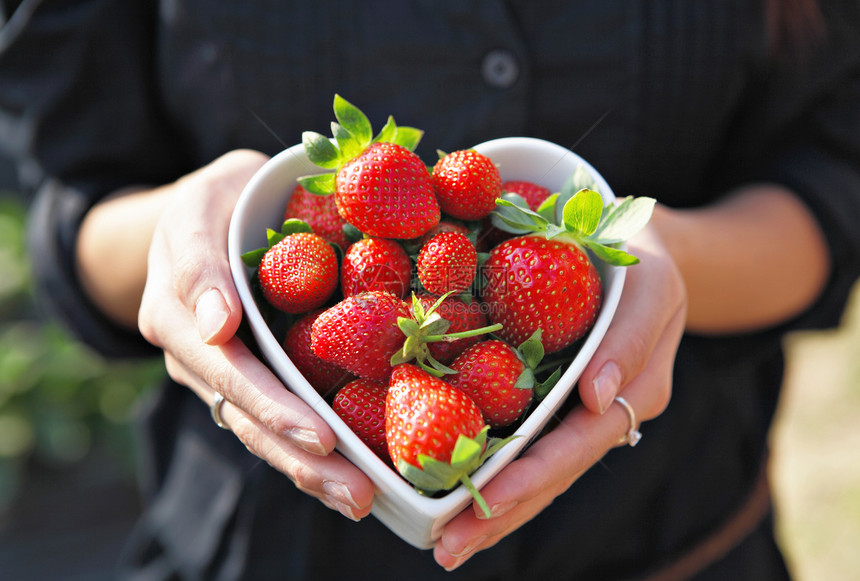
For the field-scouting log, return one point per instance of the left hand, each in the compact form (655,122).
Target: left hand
(635,359)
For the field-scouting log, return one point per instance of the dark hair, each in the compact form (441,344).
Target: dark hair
(792,25)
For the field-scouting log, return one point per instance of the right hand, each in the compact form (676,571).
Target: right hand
(191,310)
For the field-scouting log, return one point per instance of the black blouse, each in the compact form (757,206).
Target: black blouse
(673,99)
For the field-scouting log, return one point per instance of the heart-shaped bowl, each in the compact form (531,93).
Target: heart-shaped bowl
(417,519)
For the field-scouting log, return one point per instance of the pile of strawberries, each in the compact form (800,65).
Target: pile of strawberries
(420,301)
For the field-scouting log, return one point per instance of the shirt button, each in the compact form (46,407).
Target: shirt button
(500,69)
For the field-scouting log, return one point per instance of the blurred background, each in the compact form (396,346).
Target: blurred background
(67,488)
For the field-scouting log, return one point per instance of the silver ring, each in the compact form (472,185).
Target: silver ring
(632,437)
(215,410)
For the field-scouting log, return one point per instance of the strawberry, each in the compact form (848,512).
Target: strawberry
(444,225)
(323,376)
(386,191)
(360,333)
(463,315)
(447,263)
(436,436)
(380,185)
(467,184)
(320,213)
(547,284)
(534,194)
(361,405)
(375,264)
(298,270)
(546,280)
(500,379)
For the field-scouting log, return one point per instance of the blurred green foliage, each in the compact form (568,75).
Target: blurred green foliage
(58,400)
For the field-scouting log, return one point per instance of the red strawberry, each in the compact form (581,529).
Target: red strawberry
(323,376)
(386,191)
(375,264)
(496,379)
(444,225)
(361,405)
(534,194)
(545,281)
(436,436)
(320,213)
(447,263)
(298,273)
(425,415)
(463,316)
(360,333)
(467,184)
(380,186)
(542,284)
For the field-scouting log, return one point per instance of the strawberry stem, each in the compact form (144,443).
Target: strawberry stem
(463,334)
(467,482)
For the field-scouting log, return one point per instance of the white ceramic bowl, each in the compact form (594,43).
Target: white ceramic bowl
(415,518)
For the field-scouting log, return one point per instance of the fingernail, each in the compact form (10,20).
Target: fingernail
(339,496)
(342,508)
(469,547)
(307,440)
(497,509)
(606,385)
(211,313)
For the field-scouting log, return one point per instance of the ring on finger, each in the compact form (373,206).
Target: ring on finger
(215,410)
(633,435)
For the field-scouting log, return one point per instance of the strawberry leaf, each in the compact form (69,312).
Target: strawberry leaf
(624,220)
(353,120)
(467,451)
(542,389)
(526,379)
(582,180)
(348,144)
(512,214)
(581,213)
(253,258)
(294,226)
(408,326)
(532,350)
(408,137)
(547,208)
(418,308)
(321,184)
(610,255)
(352,233)
(435,367)
(273,237)
(387,133)
(320,150)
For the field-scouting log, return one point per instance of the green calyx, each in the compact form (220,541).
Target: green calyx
(352,133)
(531,353)
(468,455)
(252,258)
(428,326)
(578,215)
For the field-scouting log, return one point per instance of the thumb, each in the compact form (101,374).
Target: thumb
(212,294)
(216,320)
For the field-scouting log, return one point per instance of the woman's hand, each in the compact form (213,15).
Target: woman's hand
(190,309)
(635,359)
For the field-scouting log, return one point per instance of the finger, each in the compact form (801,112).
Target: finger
(331,479)
(233,371)
(652,303)
(552,464)
(198,246)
